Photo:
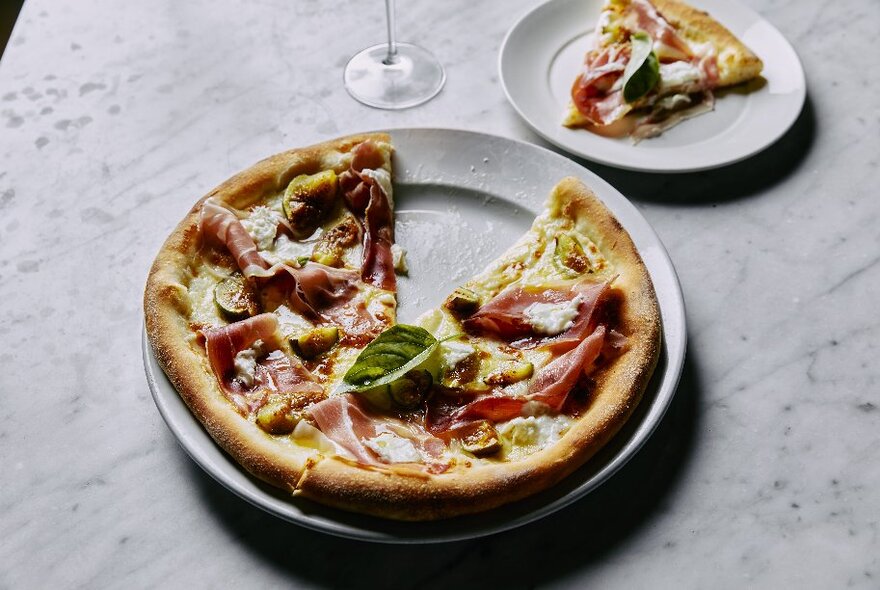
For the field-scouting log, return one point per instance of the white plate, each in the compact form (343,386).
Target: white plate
(462,198)
(543,53)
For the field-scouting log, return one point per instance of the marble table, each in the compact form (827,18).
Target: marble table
(115,116)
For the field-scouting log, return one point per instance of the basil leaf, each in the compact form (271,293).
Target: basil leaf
(643,70)
(393,353)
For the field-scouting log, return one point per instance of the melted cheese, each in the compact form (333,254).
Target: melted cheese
(524,436)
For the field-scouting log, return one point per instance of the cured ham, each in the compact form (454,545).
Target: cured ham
(221,224)
(597,92)
(642,15)
(367,199)
(275,373)
(552,384)
(347,423)
(505,315)
(594,93)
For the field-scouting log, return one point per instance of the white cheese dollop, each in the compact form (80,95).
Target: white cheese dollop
(453,352)
(398,258)
(262,225)
(286,250)
(393,449)
(534,431)
(383,178)
(678,74)
(245,363)
(552,318)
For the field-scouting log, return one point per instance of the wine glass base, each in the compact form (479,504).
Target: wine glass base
(415,77)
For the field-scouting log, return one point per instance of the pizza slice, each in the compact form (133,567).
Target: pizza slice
(272,310)
(273,281)
(653,64)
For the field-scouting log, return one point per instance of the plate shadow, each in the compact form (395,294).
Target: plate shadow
(737,181)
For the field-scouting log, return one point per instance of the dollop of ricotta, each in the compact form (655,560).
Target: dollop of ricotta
(534,431)
(383,178)
(678,74)
(286,250)
(453,352)
(393,449)
(552,318)
(262,225)
(245,363)
(398,259)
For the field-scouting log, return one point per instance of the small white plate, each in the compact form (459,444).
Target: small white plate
(544,51)
(462,198)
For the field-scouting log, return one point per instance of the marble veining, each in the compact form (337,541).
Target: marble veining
(114,118)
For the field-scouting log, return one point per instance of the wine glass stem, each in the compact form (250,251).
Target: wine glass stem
(391,58)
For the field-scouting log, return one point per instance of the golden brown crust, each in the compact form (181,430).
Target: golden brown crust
(397,493)
(166,308)
(618,390)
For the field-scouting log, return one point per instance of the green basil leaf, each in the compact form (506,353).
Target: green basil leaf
(393,353)
(643,70)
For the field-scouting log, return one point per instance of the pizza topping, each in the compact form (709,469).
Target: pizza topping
(315,342)
(235,298)
(533,433)
(262,225)
(398,258)
(366,186)
(554,381)
(462,302)
(510,372)
(452,352)
(344,421)
(642,16)
(553,318)
(409,391)
(221,224)
(393,449)
(307,201)
(330,248)
(505,315)
(570,254)
(671,111)
(594,92)
(643,70)
(394,353)
(479,438)
(283,412)
(245,363)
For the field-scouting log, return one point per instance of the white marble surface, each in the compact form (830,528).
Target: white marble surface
(115,117)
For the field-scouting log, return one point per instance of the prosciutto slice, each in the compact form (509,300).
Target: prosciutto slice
(346,422)
(642,15)
(275,373)
(594,93)
(221,224)
(368,201)
(551,386)
(504,315)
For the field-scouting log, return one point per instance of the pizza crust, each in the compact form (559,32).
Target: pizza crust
(396,492)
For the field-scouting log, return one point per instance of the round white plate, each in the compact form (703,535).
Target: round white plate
(462,198)
(543,53)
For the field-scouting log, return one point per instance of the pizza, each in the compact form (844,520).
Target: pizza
(653,64)
(271,308)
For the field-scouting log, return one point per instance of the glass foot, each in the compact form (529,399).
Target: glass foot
(415,77)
